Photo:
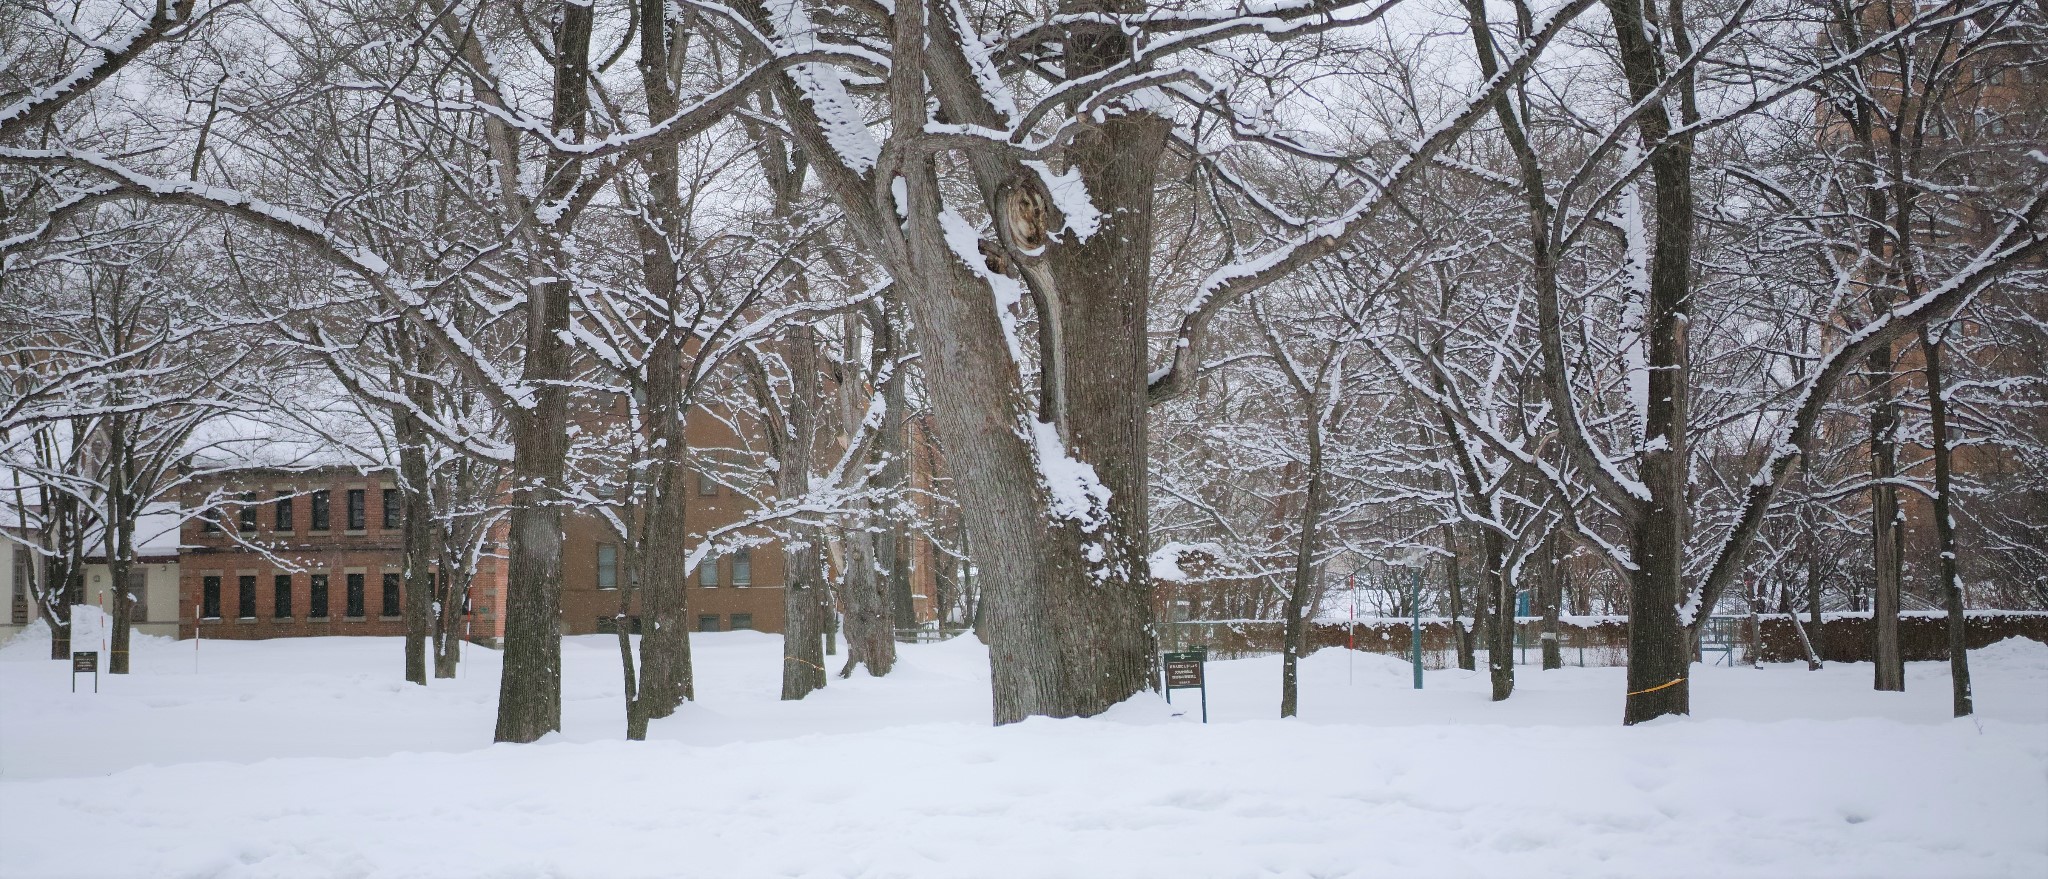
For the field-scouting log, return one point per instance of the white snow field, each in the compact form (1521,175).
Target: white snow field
(309,758)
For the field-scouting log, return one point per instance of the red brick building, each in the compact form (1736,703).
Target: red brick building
(310,552)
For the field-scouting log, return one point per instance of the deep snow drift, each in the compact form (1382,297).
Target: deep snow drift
(311,758)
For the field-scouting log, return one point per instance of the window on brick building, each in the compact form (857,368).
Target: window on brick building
(320,510)
(316,597)
(742,622)
(209,520)
(707,571)
(706,486)
(607,566)
(743,567)
(281,601)
(245,597)
(246,515)
(390,508)
(138,589)
(707,622)
(391,608)
(283,505)
(358,517)
(355,596)
(209,597)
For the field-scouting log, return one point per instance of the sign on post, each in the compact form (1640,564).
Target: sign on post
(85,662)
(1183,671)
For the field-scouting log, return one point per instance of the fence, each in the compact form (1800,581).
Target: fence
(1589,641)
(1923,635)
(1603,640)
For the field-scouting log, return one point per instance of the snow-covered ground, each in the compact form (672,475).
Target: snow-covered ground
(309,758)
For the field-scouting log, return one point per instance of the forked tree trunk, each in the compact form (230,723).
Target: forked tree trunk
(1945,529)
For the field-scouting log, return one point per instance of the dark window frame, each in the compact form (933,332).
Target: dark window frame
(392,504)
(358,510)
(323,511)
(741,622)
(209,597)
(607,569)
(245,515)
(245,596)
(316,597)
(391,604)
(355,605)
(707,571)
(281,597)
(707,619)
(283,519)
(742,567)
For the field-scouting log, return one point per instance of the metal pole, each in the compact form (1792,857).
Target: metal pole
(1415,625)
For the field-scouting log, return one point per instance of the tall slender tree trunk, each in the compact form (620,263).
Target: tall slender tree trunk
(530,689)
(119,528)
(864,589)
(1295,610)
(417,532)
(1551,585)
(1659,644)
(1463,629)
(1945,528)
(803,654)
(1500,641)
(1885,531)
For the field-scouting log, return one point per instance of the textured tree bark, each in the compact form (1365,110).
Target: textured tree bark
(666,674)
(417,534)
(530,689)
(1945,529)
(1104,287)
(1295,610)
(1463,629)
(1887,537)
(1500,641)
(119,528)
(869,621)
(1550,583)
(1659,646)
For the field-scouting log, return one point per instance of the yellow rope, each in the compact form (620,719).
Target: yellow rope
(1659,687)
(821,669)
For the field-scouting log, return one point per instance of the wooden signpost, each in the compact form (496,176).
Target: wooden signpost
(83,662)
(1184,671)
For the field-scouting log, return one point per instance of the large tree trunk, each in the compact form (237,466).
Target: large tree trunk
(530,690)
(1945,530)
(1659,646)
(1104,286)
